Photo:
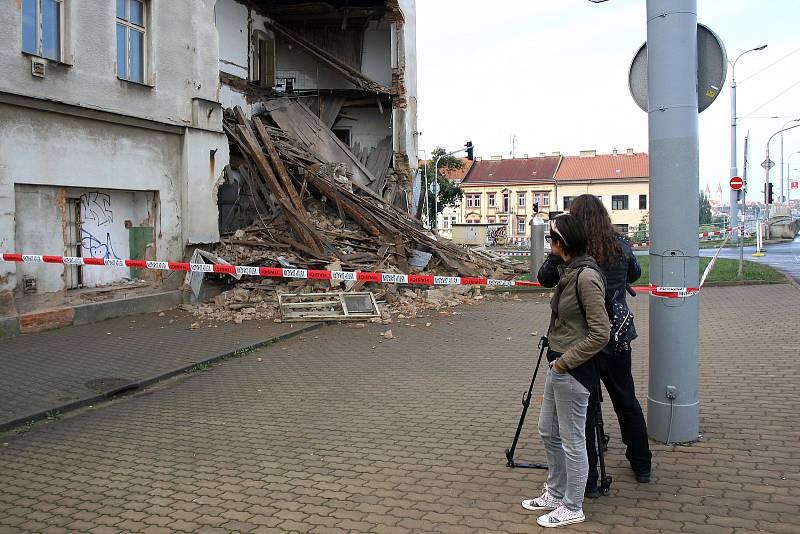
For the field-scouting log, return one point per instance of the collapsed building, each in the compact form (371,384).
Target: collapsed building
(279,132)
(351,63)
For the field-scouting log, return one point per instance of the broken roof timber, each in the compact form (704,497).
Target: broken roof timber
(354,76)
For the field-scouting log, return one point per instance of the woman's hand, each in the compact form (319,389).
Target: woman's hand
(556,366)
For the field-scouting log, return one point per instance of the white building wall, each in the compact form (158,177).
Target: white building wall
(404,62)
(47,156)
(82,129)
(183,48)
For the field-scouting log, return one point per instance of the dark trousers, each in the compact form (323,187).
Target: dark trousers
(615,372)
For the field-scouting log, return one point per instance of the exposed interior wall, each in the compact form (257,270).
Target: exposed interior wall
(369,127)
(231,20)
(46,149)
(377,57)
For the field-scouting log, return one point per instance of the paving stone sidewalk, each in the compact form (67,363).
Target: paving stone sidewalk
(340,432)
(44,371)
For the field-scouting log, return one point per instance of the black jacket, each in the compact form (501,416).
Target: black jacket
(624,270)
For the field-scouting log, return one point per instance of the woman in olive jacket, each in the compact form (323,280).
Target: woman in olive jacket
(614,255)
(579,329)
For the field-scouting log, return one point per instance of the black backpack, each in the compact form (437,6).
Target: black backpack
(620,316)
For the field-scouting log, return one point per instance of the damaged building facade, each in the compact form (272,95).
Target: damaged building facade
(341,75)
(112,142)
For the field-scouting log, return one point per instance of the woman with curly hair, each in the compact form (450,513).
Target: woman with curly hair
(614,255)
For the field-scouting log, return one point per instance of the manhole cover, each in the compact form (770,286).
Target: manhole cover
(101,385)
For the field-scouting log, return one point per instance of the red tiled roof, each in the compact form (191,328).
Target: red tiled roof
(513,171)
(603,167)
(456,174)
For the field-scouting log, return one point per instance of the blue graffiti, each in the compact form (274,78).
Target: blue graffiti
(96,248)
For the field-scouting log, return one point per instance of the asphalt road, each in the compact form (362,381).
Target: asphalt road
(783,256)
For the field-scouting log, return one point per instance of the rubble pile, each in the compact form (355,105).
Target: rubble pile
(309,213)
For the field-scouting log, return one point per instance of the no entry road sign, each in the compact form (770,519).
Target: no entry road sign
(737,183)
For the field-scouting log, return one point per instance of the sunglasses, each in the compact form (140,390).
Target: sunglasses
(547,237)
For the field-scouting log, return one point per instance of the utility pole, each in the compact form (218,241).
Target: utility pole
(744,204)
(673,406)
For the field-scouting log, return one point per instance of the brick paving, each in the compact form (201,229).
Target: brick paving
(43,371)
(338,432)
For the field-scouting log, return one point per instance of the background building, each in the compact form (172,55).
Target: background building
(505,191)
(621,181)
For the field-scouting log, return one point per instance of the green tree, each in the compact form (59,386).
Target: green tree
(449,192)
(705,210)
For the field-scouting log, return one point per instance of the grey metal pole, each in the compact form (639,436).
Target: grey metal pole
(734,169)
(673,406)
(781,197)
(734,214)
(436,195)
(537,245)
(744,204)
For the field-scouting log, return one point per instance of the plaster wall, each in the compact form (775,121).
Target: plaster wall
(47,149)
(376,59)
(404,61)
(231,19)
(182,49)
(370,127)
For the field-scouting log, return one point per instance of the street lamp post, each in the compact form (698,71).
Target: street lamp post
(734,213)
(781,197)
(789,174)
(766,169)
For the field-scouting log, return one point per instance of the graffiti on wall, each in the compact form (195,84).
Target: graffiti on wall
(96,207)
(97,248)
(496,235)
(96,218)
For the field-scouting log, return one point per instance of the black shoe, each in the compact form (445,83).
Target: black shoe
(642,477)
(591,491)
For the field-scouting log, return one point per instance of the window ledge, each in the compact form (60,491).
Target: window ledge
(134,82)
(49,60)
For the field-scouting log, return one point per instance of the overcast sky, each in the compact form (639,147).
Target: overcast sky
(555,74)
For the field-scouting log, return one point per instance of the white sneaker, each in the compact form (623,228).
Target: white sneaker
(561,516)
(545,502)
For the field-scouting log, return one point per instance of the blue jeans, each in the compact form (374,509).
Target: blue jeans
(562,427)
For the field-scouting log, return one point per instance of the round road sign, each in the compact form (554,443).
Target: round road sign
(737,183)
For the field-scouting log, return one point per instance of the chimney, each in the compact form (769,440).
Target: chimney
(630,152)
(526,156)
(615,151)
(588,153)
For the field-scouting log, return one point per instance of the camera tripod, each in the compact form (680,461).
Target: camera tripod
(604,485)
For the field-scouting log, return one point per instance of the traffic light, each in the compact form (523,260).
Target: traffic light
(468,146)
(769,197)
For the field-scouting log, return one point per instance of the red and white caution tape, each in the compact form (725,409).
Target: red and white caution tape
(314,274)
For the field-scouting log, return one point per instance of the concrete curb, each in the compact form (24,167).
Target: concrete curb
(140,384)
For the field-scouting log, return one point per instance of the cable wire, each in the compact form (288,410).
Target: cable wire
(769,66)
(795,84)
(671,412)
